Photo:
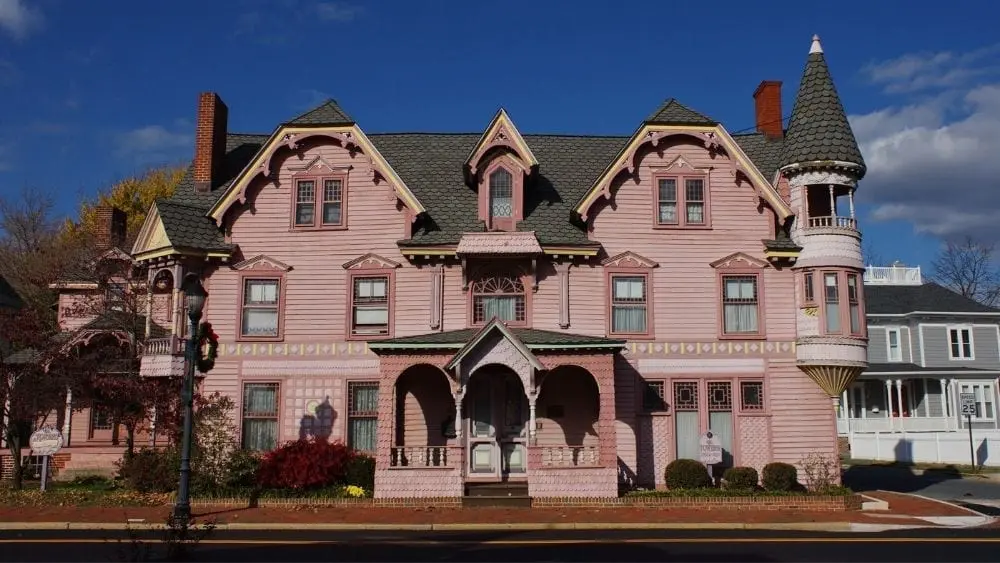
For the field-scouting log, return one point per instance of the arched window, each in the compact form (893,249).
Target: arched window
(498,296)
(501,194)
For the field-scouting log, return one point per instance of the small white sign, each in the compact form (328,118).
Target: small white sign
(45,441)
(710,449)
(968,404)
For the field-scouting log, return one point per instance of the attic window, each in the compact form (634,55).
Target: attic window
(501,194)
(319,202)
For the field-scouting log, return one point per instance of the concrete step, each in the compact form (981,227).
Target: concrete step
(484,501)
(501,489)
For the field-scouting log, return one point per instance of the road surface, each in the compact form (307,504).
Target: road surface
(980,494)
(702,546)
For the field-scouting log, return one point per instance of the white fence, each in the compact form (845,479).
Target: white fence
(931,447)
(904,424)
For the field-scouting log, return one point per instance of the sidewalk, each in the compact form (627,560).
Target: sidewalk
(904,511)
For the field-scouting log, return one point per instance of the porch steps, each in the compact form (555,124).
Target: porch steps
(496,495)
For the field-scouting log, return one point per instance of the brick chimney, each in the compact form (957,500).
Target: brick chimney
(767,105)
(110,226)
(209,141)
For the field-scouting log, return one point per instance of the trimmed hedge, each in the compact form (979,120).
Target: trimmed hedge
(686,474)
(780,476)
(740,478)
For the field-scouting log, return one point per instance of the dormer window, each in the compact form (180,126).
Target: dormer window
(501,194)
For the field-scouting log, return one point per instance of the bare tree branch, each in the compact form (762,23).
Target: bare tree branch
(967,267)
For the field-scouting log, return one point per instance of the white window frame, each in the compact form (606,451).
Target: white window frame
(899,344)
(971,342)
(988,391)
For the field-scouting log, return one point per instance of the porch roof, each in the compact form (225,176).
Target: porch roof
(534,339)
(914,369)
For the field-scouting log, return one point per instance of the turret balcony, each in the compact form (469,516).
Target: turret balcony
(834,222)
(163,357)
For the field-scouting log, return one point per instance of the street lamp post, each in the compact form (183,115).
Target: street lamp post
(195,294)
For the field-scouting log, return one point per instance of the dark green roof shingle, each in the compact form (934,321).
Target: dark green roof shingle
(672,112)
(533,338)
(187,226)
(327,113)
(762,151)
(929,297)
(818,129)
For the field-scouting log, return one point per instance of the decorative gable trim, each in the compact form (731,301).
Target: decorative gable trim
(738,260)
(501,132)
(679,165)
(351,137)
(713,137)
(628,259)
(262,262)
(319,165)
(494,325)
(152,235)
(370,261)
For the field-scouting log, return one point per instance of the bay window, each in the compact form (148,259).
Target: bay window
(843,309)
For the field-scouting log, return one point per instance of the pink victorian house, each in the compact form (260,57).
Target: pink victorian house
(559,314)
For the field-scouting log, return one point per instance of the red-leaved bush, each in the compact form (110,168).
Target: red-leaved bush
(304,464)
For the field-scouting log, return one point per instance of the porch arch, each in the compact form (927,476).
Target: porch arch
(569,410)
(425,407)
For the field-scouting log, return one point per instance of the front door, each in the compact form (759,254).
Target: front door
(497,428)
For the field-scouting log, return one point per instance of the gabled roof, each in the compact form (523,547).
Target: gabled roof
(179,226)
(327,113)
(818,130)
(672,112)
(502,131)
(928,298)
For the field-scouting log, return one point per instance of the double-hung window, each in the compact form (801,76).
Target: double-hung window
(362,415)
(370,306)
(984,396)
(740,305)
(960,343)
(323,194)
(894,345)
(843,312)
(681,201)
(831,300)
(629,304)
(260,416)
(260,307)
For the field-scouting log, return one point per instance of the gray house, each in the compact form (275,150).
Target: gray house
(927,345)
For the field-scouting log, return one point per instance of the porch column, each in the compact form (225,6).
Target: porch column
(899,402)
(459,396)
(532,426)
(888,401)
(833,203)
(927,398)
(944,403)
(68,417)
(850,199)
(149,303)
(953,403)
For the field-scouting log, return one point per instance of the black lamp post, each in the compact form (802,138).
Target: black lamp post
(195,294)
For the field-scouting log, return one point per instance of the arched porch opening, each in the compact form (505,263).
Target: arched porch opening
(496,415)
(568,410)
(425,417)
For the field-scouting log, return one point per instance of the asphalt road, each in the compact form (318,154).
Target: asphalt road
(980,494)
(969,546)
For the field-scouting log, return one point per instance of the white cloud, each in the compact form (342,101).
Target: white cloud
(337,11)
(18,19)
(921,71)
(154,143)
(935,161)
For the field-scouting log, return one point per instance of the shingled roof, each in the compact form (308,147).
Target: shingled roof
(929,297)
(188,227)
(327,113)
(532,338)
(818,129)
(672,112)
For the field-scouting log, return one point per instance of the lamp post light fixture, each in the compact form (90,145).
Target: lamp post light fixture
(196,295)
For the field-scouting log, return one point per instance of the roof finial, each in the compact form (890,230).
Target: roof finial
(816,47)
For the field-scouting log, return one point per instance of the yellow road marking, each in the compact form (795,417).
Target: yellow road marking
(359,542)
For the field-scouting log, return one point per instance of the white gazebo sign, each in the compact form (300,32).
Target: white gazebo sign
(710,449)
(45,441)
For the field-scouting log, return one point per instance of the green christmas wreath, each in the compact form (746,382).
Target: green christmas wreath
(208,347)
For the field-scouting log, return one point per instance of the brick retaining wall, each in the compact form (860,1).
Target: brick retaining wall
(806,503)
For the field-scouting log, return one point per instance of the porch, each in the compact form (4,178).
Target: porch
(883,404)
(530,410)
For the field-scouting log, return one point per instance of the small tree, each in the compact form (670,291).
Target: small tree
(967,267)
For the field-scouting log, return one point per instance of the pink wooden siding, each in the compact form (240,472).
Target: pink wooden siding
(803,418)
(162,314)
(578,400)
(74,310)
(427,406)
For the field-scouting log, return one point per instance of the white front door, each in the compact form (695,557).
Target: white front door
(497,428)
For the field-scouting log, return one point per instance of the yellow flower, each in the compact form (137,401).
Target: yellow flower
(354,491)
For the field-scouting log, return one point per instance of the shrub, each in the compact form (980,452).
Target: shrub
(242,469)
(822,472)
(304,464)
(151,470)
(686,474)
(740,478)
(780,476)
(360,472)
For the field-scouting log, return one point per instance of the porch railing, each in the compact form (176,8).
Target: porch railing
(893,275)
(570,456)
(419,456)
(168,346)
(834,221)
(896,424)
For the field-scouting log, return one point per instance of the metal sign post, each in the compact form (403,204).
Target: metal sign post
(45,442)
(969,408)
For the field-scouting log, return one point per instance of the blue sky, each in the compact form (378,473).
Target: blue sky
(95,90)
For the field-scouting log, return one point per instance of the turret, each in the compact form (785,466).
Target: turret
(823,165)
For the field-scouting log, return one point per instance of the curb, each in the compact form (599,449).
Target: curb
(524,527)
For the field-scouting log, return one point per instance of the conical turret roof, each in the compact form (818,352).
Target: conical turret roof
(818,129)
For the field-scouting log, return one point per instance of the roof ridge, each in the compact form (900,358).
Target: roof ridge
(672,112)
(328,112)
